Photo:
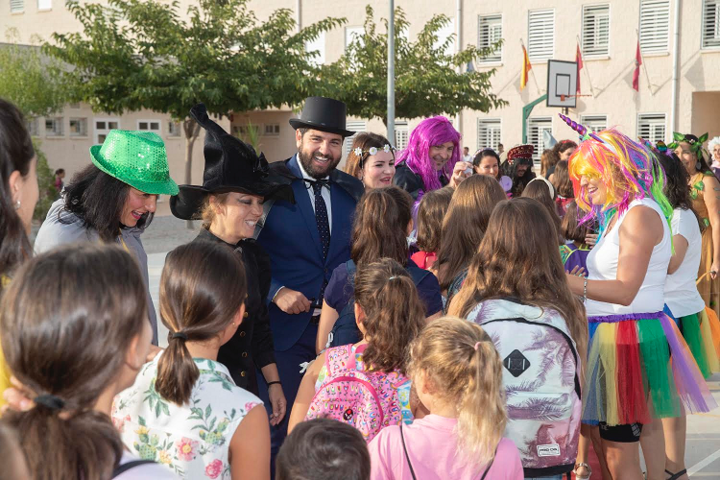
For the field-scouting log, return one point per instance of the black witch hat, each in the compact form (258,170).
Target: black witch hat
(231,165)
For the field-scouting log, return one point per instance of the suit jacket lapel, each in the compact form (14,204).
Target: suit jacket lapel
(303,202)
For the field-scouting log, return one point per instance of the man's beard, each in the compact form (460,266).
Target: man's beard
(312,170)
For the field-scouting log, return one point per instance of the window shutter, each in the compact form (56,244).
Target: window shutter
(594,123)
(711,24)
(654,25)
(489,32)
(489,133)
(353,127)
(541,34)
(536,127)
(443,34)
(596,30)
(651,127)
(317,45)
(402,134)
(17,6)
(44,4)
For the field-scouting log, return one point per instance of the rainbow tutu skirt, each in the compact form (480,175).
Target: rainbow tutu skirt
(639,368)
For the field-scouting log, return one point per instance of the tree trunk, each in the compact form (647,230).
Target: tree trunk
(192,130)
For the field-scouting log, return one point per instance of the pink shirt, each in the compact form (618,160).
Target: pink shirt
(432,447)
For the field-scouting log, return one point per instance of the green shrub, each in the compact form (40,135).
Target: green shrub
(46,184)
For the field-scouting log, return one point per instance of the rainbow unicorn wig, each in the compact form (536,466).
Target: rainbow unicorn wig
(628,169)
(430,132)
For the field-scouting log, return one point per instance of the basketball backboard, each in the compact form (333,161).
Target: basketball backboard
(562,84)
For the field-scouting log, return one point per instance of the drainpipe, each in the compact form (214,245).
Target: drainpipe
(458,48)
(298,18)
(675,60)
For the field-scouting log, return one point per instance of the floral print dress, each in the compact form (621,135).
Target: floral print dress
(191,440)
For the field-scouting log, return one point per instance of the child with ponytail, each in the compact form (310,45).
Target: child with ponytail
(364,384)
(184,410)
(457,374)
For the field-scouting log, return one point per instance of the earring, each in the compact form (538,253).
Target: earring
(17,204)
(698,166)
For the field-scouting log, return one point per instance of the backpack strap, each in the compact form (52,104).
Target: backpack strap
(127,466)
(489,466)
(407,457)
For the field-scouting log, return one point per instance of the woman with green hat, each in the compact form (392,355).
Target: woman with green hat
(113,199)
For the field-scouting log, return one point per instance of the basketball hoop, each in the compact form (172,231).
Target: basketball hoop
(563,97)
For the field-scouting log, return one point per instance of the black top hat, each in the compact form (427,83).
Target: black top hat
(325,114)
(230,166)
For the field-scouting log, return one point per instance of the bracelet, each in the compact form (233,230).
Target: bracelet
(585,290)
(276,382)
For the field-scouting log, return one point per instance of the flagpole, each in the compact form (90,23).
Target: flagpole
(592,89)
(642,59)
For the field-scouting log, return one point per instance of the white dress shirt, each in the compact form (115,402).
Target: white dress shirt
(325,192)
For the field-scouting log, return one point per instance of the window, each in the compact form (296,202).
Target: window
(17,6)
(402,134)
(594,123)
(541,34)
(54,126)
(537,126)
(78,127)
(654,25)
(317,45)
(596,30)
(352,33)
(489,133)
(174,129)
(44,4)
(32,126)
(443,34)
(103,127)
(245,131)
(272,129)
(151,125)
(711,24)
(651,127)
(489,32)
(353,127)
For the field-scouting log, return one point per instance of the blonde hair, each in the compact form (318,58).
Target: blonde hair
(207,212)
(460,363)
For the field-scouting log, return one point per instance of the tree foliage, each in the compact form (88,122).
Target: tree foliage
(427,80)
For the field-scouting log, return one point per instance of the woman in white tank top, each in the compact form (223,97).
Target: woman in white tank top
(628,383)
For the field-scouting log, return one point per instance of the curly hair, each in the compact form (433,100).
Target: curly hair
(394,313)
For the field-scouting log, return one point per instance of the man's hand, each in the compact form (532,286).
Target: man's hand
(292,302)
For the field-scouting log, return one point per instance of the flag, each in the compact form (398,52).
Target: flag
(526,69)
(636,73)
(578,59)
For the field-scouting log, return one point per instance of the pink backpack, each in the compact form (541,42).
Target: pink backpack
(369,401)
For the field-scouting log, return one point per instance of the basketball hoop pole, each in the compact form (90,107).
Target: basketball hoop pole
(527,109)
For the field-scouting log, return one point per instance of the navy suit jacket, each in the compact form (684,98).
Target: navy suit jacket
(290,236)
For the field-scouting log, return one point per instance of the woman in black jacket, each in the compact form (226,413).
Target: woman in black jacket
(236,183)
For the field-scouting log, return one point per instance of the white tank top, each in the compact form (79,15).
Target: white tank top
(681,293)
(602,263)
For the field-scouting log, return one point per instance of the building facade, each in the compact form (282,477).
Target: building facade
(606,31)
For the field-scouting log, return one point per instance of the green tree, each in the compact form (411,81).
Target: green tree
(144,54)
(427,80)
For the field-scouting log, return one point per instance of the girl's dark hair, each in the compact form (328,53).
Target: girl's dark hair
(700,156)
(571,228)
(202,288)
(538,190)
(99,199)
(465,224)
(323,449)
(516,260)
(547,160)
(562,146)
(676,184)
(561,180)
(68,319)
(394,314)
(404,202)
(365,141)
(16,153)
(431,213)
(378,229)
(59,171)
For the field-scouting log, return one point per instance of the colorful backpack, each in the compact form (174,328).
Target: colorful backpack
(541,376)
(369,401)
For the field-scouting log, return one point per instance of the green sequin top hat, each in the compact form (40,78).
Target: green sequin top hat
(136,158)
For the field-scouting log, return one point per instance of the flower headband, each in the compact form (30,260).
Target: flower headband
(373,150)
(695,143)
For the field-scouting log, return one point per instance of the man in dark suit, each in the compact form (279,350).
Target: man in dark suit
(306,241)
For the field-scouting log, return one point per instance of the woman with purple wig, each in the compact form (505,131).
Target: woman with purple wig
(431,159)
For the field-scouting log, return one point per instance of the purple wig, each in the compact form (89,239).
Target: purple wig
(430,132)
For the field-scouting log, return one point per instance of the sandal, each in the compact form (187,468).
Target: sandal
(585,466)
(675,476)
